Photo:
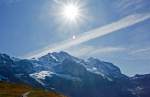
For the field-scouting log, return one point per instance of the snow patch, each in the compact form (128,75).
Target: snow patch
(39,76)
(42,74)
(54,57)
(95,70)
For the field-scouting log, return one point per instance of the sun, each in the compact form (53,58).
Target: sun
(71,12)
(70,15)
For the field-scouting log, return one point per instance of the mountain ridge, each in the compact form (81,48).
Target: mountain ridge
(75,76)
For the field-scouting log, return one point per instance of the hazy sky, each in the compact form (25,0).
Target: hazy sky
(28,26)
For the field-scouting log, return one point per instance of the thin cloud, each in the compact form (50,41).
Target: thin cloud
(141,51)
(99,32)
(88,50)
(126,7)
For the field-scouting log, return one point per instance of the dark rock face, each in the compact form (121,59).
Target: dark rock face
(73,76)
(6,70)
(142,85)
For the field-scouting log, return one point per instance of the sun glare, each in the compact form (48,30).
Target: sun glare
(73,37)
(70,15)
(71,12)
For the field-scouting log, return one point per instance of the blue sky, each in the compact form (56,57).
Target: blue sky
(27,26)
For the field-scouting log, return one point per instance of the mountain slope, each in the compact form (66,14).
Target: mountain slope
(17,90)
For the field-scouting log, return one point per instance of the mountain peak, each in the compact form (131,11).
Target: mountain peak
(103,68)
(93,59)
(58,53)
(56,57)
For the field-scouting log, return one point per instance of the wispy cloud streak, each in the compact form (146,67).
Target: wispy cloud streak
(99,32)
(89,50)
(140,51)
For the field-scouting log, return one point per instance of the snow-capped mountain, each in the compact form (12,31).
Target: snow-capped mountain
(105,69)
(57,60)
(76,77)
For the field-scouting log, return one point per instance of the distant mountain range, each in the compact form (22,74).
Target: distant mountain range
(74,77)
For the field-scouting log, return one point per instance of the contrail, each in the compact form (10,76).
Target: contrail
(99,32)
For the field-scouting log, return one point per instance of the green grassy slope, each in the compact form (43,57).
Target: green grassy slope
(16,90)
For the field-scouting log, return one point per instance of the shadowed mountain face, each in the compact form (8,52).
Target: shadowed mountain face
(73,77)
(142,84)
